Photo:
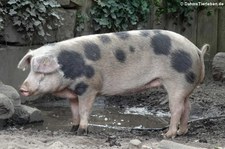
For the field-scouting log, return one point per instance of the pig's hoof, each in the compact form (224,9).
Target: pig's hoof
(82,132)
(182,131)
(74,128)
(170,134)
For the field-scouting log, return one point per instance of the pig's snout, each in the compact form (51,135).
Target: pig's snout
(24,92)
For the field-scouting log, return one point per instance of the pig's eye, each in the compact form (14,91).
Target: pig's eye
(28,60)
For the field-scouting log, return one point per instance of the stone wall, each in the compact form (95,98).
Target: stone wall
(67,11)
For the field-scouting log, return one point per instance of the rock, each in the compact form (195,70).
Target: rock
(25,114)
(165,144)
(6,107)
(112,140)
(10,34)
(79,2)
(135,144)
(68,4)
(11,93)
(57,145)
(146,147)
(64,2)
(218,67)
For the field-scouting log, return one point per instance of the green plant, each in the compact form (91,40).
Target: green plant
(2,13)
(81,19)
(31,16)
(117,15)
(176,9)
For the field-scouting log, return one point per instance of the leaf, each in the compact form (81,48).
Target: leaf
(42,8)
(10,2)
(41,31)
(55,15)
(49,27)
(37,22)
(17,23)
(51,3)
(12,12)
(31,12)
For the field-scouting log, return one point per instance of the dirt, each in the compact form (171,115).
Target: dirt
(206,127)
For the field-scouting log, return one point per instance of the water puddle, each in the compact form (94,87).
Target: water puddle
(57,116)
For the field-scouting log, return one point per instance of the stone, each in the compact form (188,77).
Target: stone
(166,144)
(25,114)
(11,93)
(146,147)
(79,2)
(135,144)
(10,34)
(66,31)
(6,107)
(64,2)
(57,145)
(218,67)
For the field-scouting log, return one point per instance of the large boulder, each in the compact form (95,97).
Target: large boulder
(6,107)
(218,67)
(24,114)
(11,93)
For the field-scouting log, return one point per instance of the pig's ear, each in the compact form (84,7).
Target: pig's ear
(25,61)
(44,64)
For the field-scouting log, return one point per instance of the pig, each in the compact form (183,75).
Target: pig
(115,64)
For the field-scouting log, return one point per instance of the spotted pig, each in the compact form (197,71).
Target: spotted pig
(116,63)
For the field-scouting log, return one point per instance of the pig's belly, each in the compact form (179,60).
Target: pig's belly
(126,86)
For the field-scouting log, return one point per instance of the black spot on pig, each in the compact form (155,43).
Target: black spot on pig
(190,77)
(120,55)
(132,49)
(92,51)
(104,38)
(181,61)
(144,33)
(72,64)
(122,35)
(161,44)
(89,71)
(80,88)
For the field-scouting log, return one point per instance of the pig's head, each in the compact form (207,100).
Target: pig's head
(44,76)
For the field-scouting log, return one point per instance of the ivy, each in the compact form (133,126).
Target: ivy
(2,13)
(174,8)
(117,15)
(32,16)
(81,19)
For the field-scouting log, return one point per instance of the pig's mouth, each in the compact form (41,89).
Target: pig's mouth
(25,92)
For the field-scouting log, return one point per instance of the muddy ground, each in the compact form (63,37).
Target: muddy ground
(206,127)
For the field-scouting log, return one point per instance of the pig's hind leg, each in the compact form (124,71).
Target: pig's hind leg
(179,107)
(183,127)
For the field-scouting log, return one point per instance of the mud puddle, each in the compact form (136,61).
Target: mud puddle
(57,116)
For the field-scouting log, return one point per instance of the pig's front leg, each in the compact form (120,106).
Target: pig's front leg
(85,107)
(74,105)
